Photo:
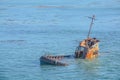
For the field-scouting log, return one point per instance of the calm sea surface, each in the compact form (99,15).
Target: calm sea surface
(32,28)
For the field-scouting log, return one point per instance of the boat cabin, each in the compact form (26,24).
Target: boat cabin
(87,48)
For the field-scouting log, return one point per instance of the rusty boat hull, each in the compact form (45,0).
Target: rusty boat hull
(83,51)
(87,49)
(54,60)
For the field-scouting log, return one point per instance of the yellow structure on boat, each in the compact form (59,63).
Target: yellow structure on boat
(87,49)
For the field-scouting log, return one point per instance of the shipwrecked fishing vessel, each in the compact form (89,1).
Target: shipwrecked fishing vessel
(87,49)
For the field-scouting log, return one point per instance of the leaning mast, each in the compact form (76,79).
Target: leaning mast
(93,18)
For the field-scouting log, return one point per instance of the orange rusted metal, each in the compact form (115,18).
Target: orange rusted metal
(87,49)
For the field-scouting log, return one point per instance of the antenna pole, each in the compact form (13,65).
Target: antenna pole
(93,18)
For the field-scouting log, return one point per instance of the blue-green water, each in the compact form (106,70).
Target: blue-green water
(32,28)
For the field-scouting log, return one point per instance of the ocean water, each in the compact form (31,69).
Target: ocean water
(32,28)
